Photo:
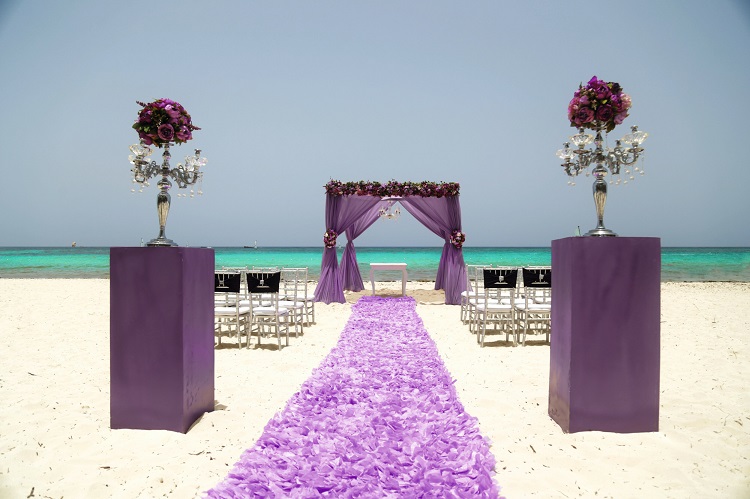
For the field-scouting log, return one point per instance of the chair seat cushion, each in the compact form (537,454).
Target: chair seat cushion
(266,311)
(534,307)
(480,301)
(494,307)
(223,310)
(291,304)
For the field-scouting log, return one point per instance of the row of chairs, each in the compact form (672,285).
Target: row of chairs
(496,297)
(261,301)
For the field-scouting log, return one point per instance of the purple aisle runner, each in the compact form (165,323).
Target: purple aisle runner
(378,418)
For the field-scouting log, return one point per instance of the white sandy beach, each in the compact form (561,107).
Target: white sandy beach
(55,439)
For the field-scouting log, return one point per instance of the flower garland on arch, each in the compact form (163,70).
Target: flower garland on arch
(392,189)
(329,238)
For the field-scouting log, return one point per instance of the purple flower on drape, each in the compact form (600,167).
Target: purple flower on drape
(457,239)
(329,238)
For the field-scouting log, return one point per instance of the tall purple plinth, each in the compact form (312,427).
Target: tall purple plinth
(604,360)
(161,337)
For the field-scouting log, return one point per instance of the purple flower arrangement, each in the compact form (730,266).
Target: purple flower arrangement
(329,238)
(600,105)
(163,121)
(378,418)
(392,189)
(457,239)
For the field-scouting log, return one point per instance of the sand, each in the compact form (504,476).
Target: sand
(55,439)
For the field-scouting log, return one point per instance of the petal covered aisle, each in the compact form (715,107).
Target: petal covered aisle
(378,418)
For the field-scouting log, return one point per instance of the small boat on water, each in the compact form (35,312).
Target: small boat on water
(254,246)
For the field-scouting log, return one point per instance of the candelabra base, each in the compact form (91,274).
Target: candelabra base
(600,232)
(161,241)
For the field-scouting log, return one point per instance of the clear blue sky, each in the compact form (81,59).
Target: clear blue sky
(292,94)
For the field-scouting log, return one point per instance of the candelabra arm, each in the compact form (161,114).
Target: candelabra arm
(630,155)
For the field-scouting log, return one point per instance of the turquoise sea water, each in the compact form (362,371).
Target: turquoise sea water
(678,264)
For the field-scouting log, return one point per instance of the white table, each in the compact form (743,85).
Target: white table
(389,266)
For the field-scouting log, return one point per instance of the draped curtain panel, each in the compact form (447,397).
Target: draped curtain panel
(350,274)
(442,216)
(354,214)
(341,213)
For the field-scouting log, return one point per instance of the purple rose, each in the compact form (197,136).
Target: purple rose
(600,88)
(626,102)
(603,92)
(145,116)
(615,102)
(604,113)
(573,108)
(594,81)
(620,117)
(172,111)
(184,134)
(584,115)
(145,138)
(166,132)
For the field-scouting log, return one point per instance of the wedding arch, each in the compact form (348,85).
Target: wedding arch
(352,207)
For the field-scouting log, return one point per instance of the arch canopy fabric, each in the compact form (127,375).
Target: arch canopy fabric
(352,208)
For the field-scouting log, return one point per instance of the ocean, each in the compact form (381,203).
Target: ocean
(678,264)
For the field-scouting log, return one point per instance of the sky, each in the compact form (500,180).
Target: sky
(292,94)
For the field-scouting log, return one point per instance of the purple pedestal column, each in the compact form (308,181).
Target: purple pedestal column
(161,337)
(605,345)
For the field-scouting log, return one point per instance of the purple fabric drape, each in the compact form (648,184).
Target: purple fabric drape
(353,214)
(341,213)
(351,277)
(442,216)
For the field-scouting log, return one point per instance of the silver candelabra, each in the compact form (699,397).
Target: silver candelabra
(606,160)
(184,175)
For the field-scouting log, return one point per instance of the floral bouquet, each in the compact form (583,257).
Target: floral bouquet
(164,121)
(457,239)
(329,238)
(600,105)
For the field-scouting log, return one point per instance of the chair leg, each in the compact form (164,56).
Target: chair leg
(484,329)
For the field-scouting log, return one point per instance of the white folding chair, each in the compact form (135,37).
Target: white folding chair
(472,291)
(477,296)
(304,294)
(288,299)
(497,308)
(534,310)
(266,314)
(231,315)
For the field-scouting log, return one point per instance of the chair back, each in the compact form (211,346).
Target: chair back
(263,282)
(540,277)
(500,278)
(227,282)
